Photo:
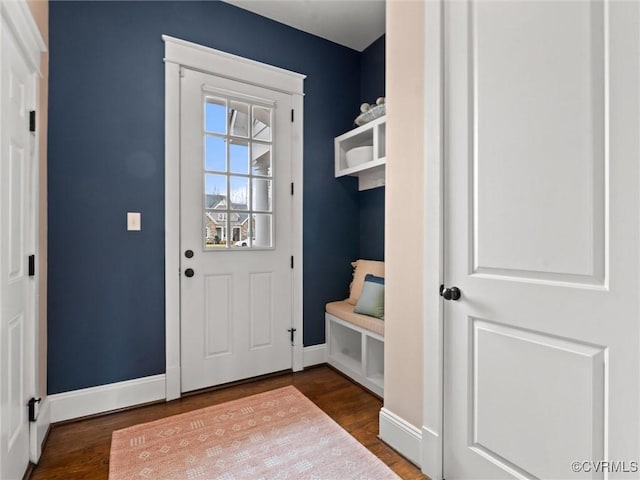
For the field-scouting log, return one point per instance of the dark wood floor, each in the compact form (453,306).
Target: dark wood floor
(80,450)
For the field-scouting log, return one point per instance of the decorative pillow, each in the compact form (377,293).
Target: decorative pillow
(371,301)
(361,269)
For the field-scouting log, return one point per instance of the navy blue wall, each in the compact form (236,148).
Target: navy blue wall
(372,71)
(372,223)
(106,157)
(372,86)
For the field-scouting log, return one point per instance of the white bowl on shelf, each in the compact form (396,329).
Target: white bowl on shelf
(359,155)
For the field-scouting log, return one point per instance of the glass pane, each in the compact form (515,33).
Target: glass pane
(261,159)
(214,231)
(215,115)
(215,191)
(261,125)
(239,156)
(215,153)
(238,175)
(262,229)
(239,193)
(239,223)
(239,119)
(261,195)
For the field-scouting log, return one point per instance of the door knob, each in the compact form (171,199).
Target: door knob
(189,272)
(452,293)
(188,253)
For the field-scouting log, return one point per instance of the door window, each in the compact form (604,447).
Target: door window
(238,174)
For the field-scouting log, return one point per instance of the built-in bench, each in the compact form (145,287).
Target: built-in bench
(354,345)
(355,342)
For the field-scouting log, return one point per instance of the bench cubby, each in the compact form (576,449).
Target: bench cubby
(356,352)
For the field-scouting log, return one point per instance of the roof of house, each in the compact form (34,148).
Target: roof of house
(215,201)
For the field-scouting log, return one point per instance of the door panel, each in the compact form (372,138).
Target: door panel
(506,401)
(17,208)
(538,110)
(236,218)
(261,314)
(542,236)
(218,323)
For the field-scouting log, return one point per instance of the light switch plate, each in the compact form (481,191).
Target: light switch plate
(133,221)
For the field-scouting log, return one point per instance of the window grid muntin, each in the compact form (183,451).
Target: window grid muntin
(228,139)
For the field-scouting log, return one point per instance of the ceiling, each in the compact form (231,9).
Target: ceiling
(353,23)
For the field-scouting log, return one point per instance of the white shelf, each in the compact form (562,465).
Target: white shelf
(380,162)
(370,174)
(348,362)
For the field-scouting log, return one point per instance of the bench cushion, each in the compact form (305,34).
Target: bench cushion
(344,311)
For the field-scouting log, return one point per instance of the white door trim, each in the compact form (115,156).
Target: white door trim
(433,275)
(24,29)
(180,54)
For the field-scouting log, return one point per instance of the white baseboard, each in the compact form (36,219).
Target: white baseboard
(105,398)
(431,454)
(38,430)
(90,401)
(401,435)
(314,355)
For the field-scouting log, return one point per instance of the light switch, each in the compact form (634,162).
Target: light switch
(133,221)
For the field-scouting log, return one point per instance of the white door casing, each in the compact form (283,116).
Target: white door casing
(20,47)
(542,236)
(178,56)
(236,308)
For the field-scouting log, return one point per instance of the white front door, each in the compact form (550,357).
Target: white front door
(17,290)
(235,234)
(542,183)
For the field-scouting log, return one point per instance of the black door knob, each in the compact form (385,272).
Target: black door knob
(452,293)
(189,272)
(188,253)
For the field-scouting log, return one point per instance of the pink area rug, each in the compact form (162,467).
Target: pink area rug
(279,434)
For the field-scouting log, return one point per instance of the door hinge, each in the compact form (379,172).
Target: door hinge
(33,410)
(291,188)
(292,331)
(291,261)
(292,115)
(32,265)
(32,121)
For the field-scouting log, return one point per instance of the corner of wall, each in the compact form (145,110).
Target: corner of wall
(404,211)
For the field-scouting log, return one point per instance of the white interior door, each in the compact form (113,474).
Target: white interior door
(17,290)
(542,238)
(236,277)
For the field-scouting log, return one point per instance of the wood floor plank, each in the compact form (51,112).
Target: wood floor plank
(80,450)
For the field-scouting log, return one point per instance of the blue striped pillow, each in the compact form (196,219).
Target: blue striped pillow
(371,301)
